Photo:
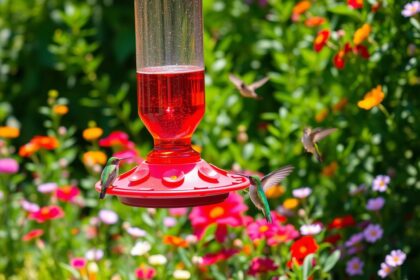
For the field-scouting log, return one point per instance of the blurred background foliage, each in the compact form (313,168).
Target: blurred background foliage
(86,50)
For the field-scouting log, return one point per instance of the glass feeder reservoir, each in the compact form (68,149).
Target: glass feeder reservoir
(171,103)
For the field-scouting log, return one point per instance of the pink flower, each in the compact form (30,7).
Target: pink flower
(178,212)
(29,206)
(411,9)
(108,217)
(226,213)
(385,270)
(375,204)
(136,232)
(395,258)
(283,234)
(260,229)
(169,222)
(33,234)
(145,272)
(47,213)
(380,183)
(116,138)
(302,192)
(67,193)
(373,233)
(222,255)
(47,187)
(261,265)
(354,266)
(8,166)
(78,263)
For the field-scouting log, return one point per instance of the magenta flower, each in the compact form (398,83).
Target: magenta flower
(261,265)
(302,192)
(311,229)
(373,233)
(8,166)
(385,270)
(260,229)
(145,273)
(78,263)
(411,9)
(375,204)
(395,258)
(222,255)
(355,239)
(380,183)
(283,234)
(354,266)
(47,187)
(108,217)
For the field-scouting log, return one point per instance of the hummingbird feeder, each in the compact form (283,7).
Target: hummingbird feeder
(171,103)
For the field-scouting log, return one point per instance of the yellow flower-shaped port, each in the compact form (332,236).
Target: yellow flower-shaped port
(372,98)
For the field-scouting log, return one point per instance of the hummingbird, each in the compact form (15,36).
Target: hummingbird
(247,91)
(312,136)
(109,174)
(258,187)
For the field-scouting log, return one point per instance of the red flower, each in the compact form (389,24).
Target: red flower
(45,142)
(145,272)
(342,222)
(362,51)
(116,138)
(338,59)
(321,39)
(222,255)
(67,193)
(314,21)
(33,234)
(355,4)
(261,265)
(333,239)
(47,213)
(227,213)
(302,247)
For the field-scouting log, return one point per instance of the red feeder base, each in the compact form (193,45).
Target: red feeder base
(175,185)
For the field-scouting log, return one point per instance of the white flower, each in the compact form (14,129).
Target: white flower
(302,192)
(47,187)
(197,260)
(140,248)
(94,254)
(108,217)
(310,229)
(157,260)
(395,258)
(191,239)
(182,274)
(93,267)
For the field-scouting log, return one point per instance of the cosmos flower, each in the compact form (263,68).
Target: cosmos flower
(140,248)
(354,266)
(375,204)
(47,187)
(395,258)
(302,192)
(372,233)
(261,265)
(8,166)
(355,239)
(411,9)
(372,98)
(321,39)
(47,213)
(94,254)
(385,270)
(78,263)
(108,217)
(67,193)
(145,272)
(311,229)
(380,183)
(33,234)
(181,274)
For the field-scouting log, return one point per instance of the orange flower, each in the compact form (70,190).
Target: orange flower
(290,203)
(314,21)
(175,241)
(275,191)
(60,110)
(28,149)
(321,39)
(330,169)
(300,8)
(9,132)
(92,133)
(91,158)
(45,142)
(361,34)
(372,98)
(321,115)
(340,105)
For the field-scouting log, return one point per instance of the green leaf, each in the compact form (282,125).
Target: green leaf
(307,265)
(343,10)
(331,261)
(70,269)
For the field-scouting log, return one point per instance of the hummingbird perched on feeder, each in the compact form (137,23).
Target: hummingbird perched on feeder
(109,174)
(247,91)
(312,136)
(258,187)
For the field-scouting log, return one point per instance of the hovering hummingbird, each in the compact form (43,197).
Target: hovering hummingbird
(109,174)
(247,91)
(258,187)
(312,136)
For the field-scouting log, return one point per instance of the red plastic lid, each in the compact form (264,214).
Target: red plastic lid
(175,185)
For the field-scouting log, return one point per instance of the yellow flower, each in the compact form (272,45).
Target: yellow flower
(9,132)
(361,34)
(91,158)
(321,115)
(274,191)
(92,133)
(372,98)
(290,203)
(60,109)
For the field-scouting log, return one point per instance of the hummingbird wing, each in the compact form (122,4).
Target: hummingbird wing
(109,174)
(276,176)
(319,133)
(236,81)
(259,83)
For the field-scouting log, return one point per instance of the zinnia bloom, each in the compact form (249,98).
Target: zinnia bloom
(342,222)
(314,21)
(339,106)
(91,158)
(60,110)
(375,204)
(29,206)
(362,51)
(67,193)
(321,39)
(145,272)
(116,138)
(157,259)
(299,9)
(78,263)
(304,246)
(45,142)
(372,98)
(178,212)
(222,255)
(33,234)
(355,4)
(92,133)
(9,132)
(8,166)
(28,149)
(47,213)
(261,265)
(361,34)
(322,115)
(411,9)
(175,241)
(290,203)
(274,191)
(354,266)
(260,229)
(395,258)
